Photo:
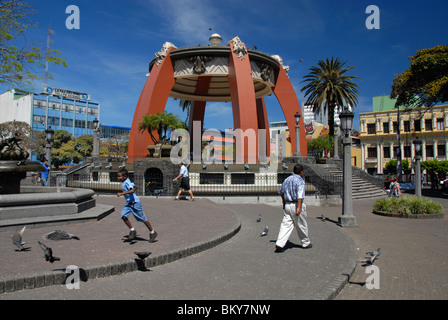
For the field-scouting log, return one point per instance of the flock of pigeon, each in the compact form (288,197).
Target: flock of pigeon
(372,256)
(17,240)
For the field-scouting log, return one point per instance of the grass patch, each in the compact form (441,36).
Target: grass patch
(408,206)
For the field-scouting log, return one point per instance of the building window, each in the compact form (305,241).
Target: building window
(40,104)
(407,151)
(386,152)
(371,153)
(429,151)
(417,125)
(440,125)
(407,126)
(38,119)
(441,150)
(371,128)
(395,124)
(396,152)
(428,124)
(386,127)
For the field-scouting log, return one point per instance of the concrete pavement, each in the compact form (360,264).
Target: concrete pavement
(413,264)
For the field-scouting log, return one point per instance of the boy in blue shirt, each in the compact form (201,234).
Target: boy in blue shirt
(44,174)
(133,206)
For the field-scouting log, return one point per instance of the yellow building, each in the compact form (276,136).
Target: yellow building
(379,134)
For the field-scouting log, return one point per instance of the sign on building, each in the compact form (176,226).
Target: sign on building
(66,93)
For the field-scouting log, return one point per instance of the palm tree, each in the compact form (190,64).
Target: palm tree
(162,122)
(186,106)
(329,87)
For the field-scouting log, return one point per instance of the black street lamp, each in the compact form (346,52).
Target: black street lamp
(96,139)
(49,138)
(347,219)
(297,119)
(417,169)
(49,134)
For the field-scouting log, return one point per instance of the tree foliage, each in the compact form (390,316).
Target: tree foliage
(321,144)
(328,86)
(435,166)
(391,166)
(425,82)
(20,57)
(162,123)
(67,149)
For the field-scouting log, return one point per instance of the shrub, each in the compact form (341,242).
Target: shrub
(407,206)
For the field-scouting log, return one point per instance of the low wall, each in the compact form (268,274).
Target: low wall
(45,201)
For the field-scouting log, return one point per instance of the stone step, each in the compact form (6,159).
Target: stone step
(361,189)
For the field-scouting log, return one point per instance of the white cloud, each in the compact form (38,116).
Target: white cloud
(188,21)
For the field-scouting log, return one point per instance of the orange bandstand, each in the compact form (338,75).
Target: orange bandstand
(218,73)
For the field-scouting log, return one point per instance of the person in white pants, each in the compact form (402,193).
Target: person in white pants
(292,192)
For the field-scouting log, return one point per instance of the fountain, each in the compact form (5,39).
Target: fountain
(39,205)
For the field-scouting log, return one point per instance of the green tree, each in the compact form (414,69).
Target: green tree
(321,144)
(66,148)
(435,166)
(328,86)
(425,82)
(163,123)
(391,166)
(19,56)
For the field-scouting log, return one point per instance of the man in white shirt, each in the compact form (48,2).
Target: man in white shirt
(292,192)
(184,182)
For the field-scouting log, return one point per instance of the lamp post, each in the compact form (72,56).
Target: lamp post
(336,144)
(96,139)
(297,118)
(417,170)
(49,138)
(347,219)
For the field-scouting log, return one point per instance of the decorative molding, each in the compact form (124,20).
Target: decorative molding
(213,66)
(239,48)
(280,60)
(199,63)
(163,52)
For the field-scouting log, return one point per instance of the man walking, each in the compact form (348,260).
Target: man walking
(292,192)
(184,182)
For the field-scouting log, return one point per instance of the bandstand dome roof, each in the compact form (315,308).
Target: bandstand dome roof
(192,63)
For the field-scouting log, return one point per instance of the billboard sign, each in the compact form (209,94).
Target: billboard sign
(66,93)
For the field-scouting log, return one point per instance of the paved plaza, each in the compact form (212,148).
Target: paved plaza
(217,254)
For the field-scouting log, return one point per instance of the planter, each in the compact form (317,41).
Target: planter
(410,216)
(159,150)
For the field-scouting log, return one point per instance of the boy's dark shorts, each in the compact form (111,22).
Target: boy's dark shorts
(185,183)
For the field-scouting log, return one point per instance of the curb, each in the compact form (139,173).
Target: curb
(59,277)
(410,216)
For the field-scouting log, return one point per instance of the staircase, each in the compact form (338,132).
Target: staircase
(361,188)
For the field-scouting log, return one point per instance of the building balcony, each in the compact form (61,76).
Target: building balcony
(371,160)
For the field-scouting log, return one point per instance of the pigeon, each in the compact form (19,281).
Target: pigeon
(142,255)
(323,218)
(48,253)
(373,255)
(60,235)
(17,239)
(259,218)
(265,231)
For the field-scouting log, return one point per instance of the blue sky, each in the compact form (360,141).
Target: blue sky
(109,55)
